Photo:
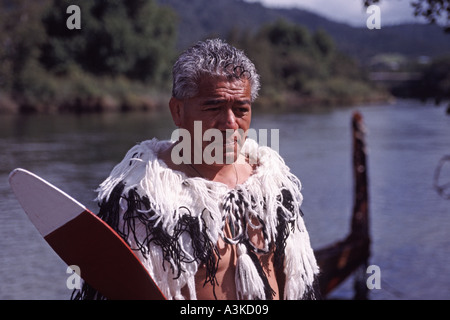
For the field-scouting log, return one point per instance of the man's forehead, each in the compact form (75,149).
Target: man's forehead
(219,86)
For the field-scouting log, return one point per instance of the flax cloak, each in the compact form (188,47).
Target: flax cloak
(174,222)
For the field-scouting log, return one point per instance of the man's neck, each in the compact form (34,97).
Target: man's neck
(228,174)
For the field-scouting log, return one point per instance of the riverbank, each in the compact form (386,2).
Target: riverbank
(82,93)
(105,96)
(291,101)
(95,104)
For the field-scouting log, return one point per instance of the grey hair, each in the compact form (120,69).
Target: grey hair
(212,57)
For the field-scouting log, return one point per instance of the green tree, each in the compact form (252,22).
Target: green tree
(324,42)
(133,38)
(21,34)
(435,81)
(297,63)
(288,51)
(287,35)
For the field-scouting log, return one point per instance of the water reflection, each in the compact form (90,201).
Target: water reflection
(409,221)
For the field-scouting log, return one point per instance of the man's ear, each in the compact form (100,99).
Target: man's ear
(177,110)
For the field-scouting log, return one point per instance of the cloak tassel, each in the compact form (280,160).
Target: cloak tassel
(249,284)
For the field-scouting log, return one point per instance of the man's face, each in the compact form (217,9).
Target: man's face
(221,104)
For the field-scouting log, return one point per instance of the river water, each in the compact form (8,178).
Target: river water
(409,221)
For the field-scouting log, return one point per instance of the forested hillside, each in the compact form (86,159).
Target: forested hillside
(120,58)
(198,18)
(301,67)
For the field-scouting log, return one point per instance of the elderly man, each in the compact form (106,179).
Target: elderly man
(223,223)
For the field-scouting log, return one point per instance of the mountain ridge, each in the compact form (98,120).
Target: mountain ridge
(199,19)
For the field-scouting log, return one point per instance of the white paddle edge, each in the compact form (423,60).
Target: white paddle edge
(48,207)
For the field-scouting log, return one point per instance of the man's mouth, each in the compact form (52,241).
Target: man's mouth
(230,143)
(232,140)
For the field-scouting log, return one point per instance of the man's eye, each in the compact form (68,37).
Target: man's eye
(242,109)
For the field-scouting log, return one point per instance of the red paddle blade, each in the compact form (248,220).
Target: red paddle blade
(81,238)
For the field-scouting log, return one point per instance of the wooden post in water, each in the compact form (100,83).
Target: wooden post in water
(360,218)
(341,259)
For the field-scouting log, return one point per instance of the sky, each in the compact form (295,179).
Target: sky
(351,12)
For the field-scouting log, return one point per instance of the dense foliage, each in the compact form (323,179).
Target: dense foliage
(298,66)
(434,83)
(121,57)
(132,38)
(122,47)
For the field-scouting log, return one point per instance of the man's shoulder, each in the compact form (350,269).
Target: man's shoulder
(132,169)
(152,146)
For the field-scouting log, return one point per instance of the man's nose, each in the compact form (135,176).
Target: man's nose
(229,119)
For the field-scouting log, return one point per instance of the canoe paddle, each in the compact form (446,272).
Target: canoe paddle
(80,238)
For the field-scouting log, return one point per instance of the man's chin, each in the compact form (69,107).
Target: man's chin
(228,158)
(221,154)
(231,152)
